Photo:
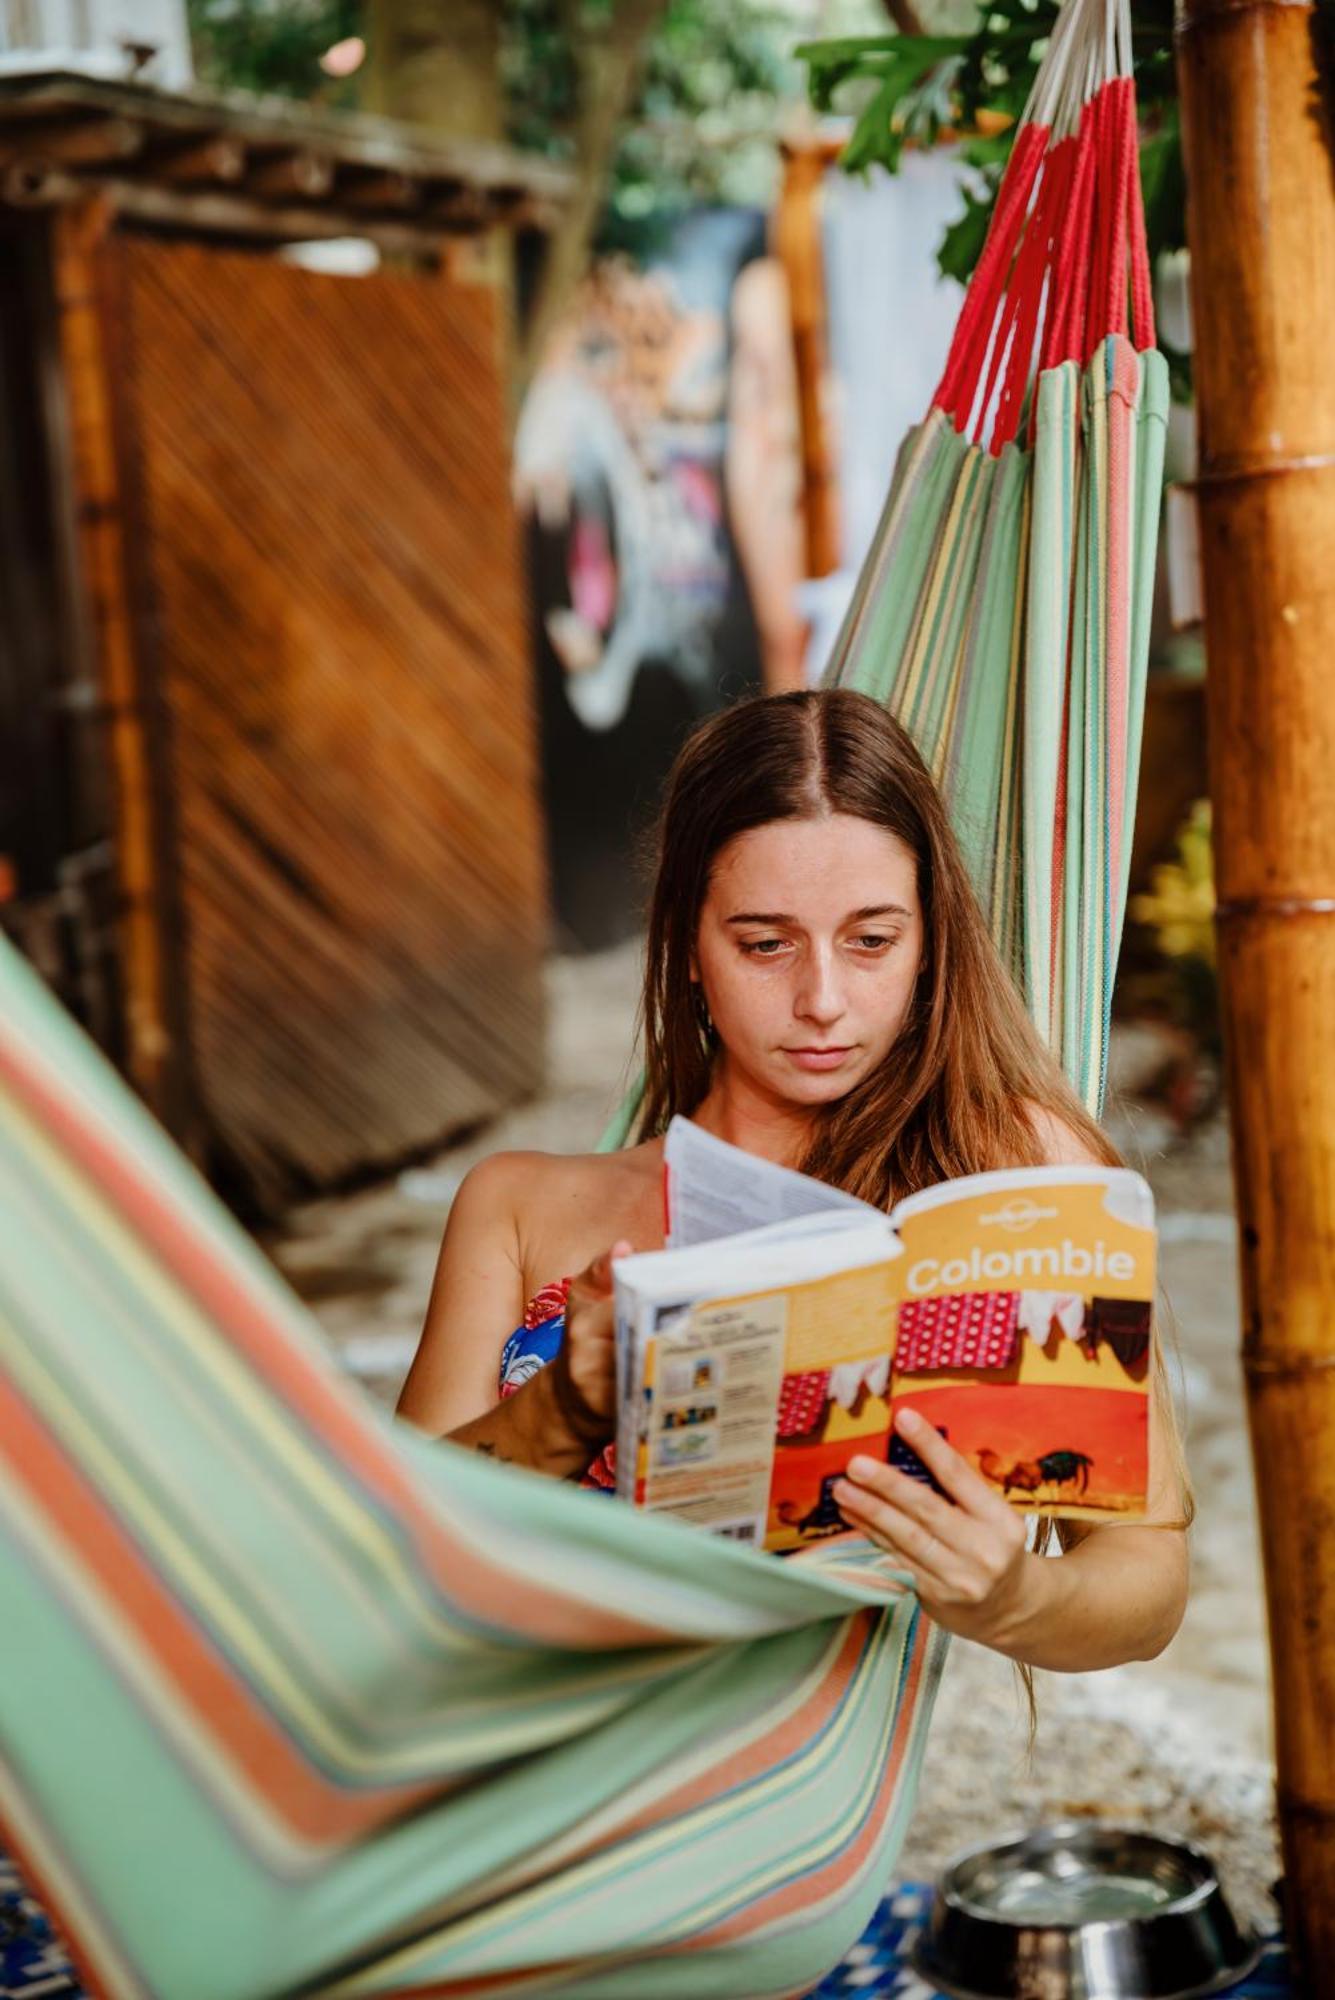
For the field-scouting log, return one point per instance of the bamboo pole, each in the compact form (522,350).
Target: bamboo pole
(797,244)
(1261,223)
(150,975)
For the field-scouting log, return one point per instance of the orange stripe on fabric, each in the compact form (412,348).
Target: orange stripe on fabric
(808,1888)
(764,1751)
(314,1808)
(534,1611)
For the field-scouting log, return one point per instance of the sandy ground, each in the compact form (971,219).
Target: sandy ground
(1181,1743)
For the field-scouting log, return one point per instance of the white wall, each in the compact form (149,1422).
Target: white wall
(91,36)
(891,316)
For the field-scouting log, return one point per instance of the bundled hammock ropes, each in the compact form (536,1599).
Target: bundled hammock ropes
(293,1701)
(1003,609)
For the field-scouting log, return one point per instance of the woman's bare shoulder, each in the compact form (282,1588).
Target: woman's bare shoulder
(1059,1141)
(560,1210)
(518,1174)
(555,1200)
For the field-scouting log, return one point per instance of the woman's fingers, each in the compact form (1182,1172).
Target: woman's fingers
(585,1366)
(596,1279)
(874,1483)
(962,1481)
(908,1541)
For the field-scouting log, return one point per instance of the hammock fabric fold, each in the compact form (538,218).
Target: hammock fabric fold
(293,1701)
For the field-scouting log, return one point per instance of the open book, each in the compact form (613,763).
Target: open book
(786,1322)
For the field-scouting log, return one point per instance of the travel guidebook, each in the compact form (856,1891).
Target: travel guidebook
(786,1322)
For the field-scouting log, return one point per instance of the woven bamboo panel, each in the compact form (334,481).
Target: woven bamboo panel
(333,577)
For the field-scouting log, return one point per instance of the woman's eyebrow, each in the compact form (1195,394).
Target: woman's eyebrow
(856,917)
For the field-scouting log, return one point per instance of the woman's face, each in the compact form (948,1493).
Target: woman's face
(809,946)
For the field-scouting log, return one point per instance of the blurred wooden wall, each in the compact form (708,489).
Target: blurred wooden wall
(317,581)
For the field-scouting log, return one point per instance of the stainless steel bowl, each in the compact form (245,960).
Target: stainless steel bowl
(1082,1912)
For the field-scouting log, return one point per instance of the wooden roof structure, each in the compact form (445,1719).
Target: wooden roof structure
(258,169)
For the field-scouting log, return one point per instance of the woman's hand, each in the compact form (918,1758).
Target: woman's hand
(582,1377)
(968,1562)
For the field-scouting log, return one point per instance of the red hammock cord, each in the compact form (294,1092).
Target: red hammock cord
(1065,266)
(974,327)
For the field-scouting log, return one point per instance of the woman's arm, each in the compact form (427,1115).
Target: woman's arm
(554,1423)
(1119,1595)
(476,1297)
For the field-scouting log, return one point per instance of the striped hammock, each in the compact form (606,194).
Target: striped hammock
(293,1701)
(1003,610)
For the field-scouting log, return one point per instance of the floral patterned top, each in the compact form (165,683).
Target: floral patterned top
(531,1346)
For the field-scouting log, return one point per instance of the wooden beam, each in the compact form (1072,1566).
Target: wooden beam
(152,1056)
(376,191)
(266,128)
(216,161)
(465,209)
(234,216)
(238,217)
(297,176)
(1261,225)
(73,142)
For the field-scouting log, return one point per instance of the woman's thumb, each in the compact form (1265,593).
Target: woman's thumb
(599,1274)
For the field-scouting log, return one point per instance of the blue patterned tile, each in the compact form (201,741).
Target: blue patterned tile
(34,1967)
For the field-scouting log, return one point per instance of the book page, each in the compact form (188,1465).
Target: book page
(711,1386)
(1023,1333)
(714,1189)
(743,1410)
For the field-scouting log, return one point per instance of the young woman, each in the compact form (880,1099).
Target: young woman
(821,990)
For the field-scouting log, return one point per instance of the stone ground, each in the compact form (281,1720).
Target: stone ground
(1182,1743)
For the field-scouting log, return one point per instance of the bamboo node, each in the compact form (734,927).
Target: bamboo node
(1236,909)
(1314,1811)
(1286,1362)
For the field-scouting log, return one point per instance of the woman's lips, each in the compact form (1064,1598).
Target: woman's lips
(818,1058)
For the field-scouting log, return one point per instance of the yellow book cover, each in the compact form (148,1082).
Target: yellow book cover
(1013,1310)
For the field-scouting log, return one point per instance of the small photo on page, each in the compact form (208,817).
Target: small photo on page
(824,1415)
(1025,1333)
(1039,1389)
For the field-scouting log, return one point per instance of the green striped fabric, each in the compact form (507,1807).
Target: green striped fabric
(1003,615)
(294,1701)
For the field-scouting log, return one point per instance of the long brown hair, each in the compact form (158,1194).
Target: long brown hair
(957,1091)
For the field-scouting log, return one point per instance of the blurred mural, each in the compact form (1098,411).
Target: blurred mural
(656,469)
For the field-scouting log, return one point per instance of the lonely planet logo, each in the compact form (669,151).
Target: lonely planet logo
(1021,1213)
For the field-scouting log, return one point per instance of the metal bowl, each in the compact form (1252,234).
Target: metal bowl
(1082,1912)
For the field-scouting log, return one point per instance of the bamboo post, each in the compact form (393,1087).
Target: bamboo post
(797,244)
(149,957)
(1261,223)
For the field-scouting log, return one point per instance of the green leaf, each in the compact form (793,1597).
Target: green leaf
(962,244)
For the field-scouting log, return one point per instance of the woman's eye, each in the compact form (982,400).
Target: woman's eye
(763,947)
(873,943)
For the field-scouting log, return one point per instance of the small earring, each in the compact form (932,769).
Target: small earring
(702,1013)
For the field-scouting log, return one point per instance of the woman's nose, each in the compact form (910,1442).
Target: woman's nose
(819,996)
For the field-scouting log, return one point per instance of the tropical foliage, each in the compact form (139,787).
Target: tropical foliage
(909,89)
